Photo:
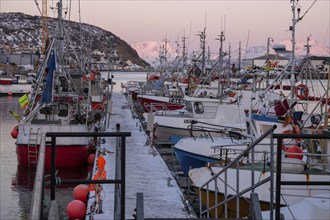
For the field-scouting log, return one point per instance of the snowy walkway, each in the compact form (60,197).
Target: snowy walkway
(145,172)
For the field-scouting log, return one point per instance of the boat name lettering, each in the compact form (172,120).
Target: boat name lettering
(187,121)
(176,100)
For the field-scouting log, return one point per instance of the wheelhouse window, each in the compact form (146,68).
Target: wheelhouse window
(63,109)
(198,106)
(188,106)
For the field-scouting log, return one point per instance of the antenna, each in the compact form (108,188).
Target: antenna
(205,22)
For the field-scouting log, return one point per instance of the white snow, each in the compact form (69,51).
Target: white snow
(146,172)
(10,38)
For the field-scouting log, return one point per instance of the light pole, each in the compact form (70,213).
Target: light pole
(109,83)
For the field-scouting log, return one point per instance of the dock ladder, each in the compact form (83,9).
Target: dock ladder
(34,140)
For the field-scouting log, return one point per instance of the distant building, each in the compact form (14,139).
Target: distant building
(319,66)
(261,61)
(320,63)
(19,59)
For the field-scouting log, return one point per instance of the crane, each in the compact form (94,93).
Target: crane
(44,26)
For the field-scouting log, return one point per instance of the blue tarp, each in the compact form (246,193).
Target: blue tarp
(51,66)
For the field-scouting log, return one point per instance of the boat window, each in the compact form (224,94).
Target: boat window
(188,106)
(198,106)
(63,108)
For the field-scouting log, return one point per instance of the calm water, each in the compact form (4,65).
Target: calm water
(16,183)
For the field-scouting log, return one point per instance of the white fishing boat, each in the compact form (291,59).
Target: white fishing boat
(200,117)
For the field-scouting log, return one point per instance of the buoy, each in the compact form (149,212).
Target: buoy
(80,192)
(294,152)
(76,209)
(91,159)
(10,93)
(14,132)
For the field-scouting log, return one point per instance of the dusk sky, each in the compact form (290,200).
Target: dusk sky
(247,21)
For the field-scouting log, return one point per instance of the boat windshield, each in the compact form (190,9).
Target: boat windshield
(198,106)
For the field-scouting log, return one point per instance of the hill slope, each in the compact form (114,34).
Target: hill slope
(19,32)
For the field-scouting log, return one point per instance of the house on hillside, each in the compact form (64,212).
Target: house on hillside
(19,59)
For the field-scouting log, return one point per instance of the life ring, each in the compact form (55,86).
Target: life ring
(301,91)
(316,119)
(294,131)
(98,107)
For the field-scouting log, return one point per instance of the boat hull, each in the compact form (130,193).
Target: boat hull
(289,194)
(155,103)
(244,205)
(190,160)
(66,156)
(6,81)
(164,133)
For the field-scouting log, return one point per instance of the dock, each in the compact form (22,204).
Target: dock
(146,171)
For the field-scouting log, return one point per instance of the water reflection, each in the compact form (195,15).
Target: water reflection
(22,184)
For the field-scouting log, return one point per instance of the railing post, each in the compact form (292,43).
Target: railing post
(123,178)
(139,206)
(53,168)
(278,179)
(271,176)
(255,207)
(117,176)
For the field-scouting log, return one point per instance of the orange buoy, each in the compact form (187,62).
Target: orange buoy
(14,132)
(91,159)
(80,192)
(294,152)
(76,209)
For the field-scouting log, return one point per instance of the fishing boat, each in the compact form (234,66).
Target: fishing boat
(56,104)
(200,117)
(6,80)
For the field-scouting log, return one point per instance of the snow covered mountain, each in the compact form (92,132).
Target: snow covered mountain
(150,50)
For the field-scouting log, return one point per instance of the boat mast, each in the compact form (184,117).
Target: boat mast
(269,39)
(202,36)
(293,29)
(184,53)
(228,65)
(59,33)
(165,56)
(308,64)
(221,39)
(239,56)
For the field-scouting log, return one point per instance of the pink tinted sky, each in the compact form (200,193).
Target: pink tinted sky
(138,21)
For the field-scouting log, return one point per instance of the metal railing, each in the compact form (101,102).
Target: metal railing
(207,129)
(36,210)
(235,163)
(38,186)
(279,182)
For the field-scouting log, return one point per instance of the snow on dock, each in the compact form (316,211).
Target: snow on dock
(146,172)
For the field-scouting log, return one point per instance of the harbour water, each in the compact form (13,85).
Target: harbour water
(16,183)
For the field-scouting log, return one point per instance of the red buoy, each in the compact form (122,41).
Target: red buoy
(91,159)
(80,192)
(14,132)
(76,209)
(294,152)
